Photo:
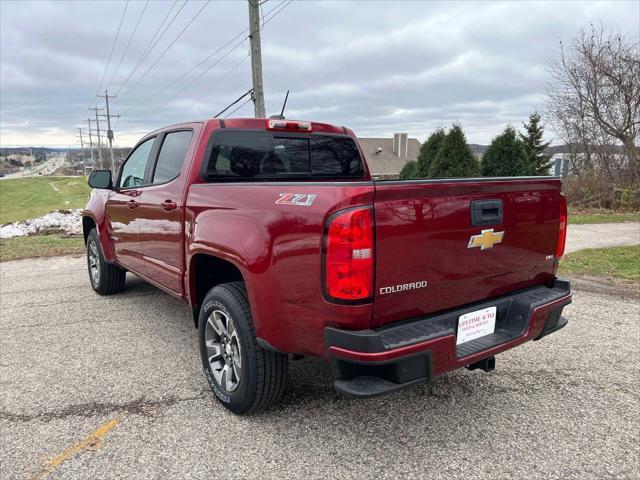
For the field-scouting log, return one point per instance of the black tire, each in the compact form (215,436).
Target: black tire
(106,278)
(263,374)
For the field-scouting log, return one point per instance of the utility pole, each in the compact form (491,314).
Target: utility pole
(31,158)
(109,131)
(91,144)
(256,58)
(81,142)
(95,109)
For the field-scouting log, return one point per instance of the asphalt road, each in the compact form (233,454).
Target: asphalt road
(97,387)
(46,168)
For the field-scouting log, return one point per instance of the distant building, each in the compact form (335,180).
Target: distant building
(560,165)
(387,156)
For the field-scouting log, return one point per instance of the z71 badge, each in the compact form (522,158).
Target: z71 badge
(300,199)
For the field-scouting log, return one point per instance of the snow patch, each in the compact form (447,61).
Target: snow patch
(65,221)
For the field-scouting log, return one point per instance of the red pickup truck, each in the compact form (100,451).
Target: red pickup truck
(280,240)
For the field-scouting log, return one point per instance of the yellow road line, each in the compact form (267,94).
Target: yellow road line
(93,441)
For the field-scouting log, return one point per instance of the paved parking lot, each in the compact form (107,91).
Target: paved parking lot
(112,388)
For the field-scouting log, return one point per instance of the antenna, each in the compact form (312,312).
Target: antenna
(286,97)
(281,116)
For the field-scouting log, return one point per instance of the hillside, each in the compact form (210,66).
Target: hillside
(25,198)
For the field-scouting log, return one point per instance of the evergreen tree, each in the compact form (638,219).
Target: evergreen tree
(409,170)
(535,147)
(506,157)
(428,152)
(454,158)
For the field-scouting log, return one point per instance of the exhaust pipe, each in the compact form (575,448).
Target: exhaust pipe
(487,365)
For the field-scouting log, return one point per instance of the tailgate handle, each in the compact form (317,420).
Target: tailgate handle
(486,212)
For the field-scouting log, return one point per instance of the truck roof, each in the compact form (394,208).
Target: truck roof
(258,124)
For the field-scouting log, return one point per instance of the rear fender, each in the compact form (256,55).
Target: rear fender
(206,239)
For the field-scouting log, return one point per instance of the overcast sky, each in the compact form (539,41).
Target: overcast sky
(377,67)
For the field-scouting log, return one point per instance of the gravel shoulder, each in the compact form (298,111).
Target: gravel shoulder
(70,361)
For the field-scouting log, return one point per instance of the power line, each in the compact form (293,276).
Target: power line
(91,143)
(152,43)
(204,60)
(273,12)
(248,92)
(81,143)
(237,108)
(96,109)
(198,77)
(167,49)
(208,57)
(108,116)
(220,80)
(113,47)
(126,49)
(280,7)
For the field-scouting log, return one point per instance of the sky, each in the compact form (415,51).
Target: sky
(378,67)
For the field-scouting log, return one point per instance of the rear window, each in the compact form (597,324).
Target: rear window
(172,155)
(259,155)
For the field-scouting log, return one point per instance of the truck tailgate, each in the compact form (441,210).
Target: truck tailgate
(426,260)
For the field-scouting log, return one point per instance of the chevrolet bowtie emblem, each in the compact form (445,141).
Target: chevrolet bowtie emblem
(486,239)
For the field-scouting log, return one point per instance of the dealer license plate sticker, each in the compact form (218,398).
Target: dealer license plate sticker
(476,324)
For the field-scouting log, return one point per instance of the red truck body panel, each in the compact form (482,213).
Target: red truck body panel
(422,230)
(422,233)
(279,253)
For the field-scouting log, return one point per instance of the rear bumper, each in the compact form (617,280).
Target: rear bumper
(374,362)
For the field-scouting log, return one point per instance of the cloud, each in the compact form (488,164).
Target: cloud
(377,67)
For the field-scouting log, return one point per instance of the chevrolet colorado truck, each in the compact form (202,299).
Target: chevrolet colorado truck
(283,244)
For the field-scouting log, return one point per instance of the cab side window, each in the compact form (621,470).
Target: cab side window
(172,155)
(132,174)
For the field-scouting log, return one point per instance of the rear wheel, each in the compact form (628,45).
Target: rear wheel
(106,278)
(244,377)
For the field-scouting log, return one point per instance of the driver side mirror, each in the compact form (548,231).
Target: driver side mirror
(101,179)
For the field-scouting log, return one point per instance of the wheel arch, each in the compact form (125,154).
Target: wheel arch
(88,223)
(205,272)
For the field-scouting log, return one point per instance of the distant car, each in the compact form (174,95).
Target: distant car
(1,175)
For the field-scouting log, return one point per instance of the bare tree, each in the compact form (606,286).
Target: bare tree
(593,100)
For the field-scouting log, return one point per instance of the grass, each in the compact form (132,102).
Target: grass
(617,262)
(18,248)
(25,198)
(585,218)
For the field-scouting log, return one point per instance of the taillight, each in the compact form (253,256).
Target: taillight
(348,268)
(562,231)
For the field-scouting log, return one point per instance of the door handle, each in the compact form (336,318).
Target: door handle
(169,205)
(486,212)
(132,204)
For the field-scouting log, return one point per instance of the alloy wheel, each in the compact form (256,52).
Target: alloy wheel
(223,350)
(94,262)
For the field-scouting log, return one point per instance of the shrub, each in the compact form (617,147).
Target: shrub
(506,157)
(428,152)
(535,147)
(409,170)
(454,158)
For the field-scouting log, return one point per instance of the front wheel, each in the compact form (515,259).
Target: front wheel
(244,377)
(105,278)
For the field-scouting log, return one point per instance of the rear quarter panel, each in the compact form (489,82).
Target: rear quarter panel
(278,249)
